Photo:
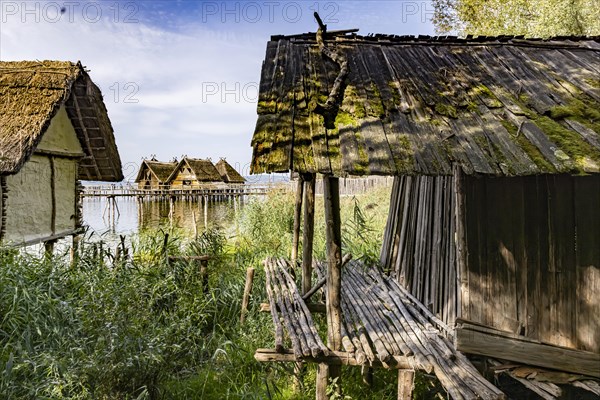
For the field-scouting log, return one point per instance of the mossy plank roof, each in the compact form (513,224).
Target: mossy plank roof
(32,92)
(500,106)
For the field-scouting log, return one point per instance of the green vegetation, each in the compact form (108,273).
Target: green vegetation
(142,328)
(539,18)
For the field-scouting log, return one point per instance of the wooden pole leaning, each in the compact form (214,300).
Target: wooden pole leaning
(308,232)
(297,217)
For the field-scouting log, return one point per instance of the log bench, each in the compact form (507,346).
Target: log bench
(383,325)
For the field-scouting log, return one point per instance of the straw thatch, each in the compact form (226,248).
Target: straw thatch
(31,93)
(160,170)
(499,106)
(228,173)
(203,170)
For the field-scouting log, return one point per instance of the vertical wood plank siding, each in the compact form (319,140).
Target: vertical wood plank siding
(419,241)
(532,253)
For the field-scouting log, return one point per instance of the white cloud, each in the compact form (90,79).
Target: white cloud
(164,90)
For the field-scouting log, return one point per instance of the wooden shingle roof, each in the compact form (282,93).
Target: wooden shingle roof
(32,92)
(500,106)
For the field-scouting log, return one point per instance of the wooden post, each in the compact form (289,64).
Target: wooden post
(297,216)
(49,248)
(334,278)
(247,290)
(309,228)
(322,381)
(75,250)
(405,383)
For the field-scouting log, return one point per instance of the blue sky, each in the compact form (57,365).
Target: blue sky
(181,77)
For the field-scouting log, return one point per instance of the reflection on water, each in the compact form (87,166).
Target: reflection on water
(132,216)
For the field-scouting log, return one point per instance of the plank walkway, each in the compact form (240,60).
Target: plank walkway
(225,190)
(383,325)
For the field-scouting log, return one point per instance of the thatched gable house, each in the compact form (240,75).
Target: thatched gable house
(54,130)
(228,173)
(155,174)
(494,220)
(193,172)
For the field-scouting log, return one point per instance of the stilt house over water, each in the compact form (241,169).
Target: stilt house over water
(154,174)
(228,173)
(494,224)
(193,172)
(54,131)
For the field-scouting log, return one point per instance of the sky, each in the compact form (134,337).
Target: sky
(181,77)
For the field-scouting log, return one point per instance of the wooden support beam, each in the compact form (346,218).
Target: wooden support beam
(334,358)
(334,261)
(308,233)
(333,229)
(297,217)
(493,343)
(406,379)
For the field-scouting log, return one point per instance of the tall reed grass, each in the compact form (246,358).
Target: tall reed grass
(109,327)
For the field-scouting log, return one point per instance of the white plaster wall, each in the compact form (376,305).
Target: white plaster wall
(60,137)
(29,202)
(65,176)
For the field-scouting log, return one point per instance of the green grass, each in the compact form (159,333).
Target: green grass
(143,329)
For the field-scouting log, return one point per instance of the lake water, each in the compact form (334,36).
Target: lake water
(131,217)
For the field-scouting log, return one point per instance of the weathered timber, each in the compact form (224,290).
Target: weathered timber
(297,220)
(473,341)
(333,358)
(274,314)
(308,232)
(334,257)
(322,281)
(246,296)
(406,379)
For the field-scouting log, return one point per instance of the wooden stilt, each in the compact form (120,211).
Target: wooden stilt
(405,383)
(334,266)
(297,216)
(309,228)
(322,381)
(49,248)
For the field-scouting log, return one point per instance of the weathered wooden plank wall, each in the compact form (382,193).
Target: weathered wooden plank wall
(534,257)
(419,245)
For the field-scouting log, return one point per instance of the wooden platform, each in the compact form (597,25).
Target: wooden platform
(383,326)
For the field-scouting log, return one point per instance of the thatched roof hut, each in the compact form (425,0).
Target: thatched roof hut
(154,174)
(31,94)
(193,171)
(228,173)
(54,130)
(494,217)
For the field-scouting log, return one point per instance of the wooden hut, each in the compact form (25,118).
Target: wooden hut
(54,131)
(193,173)
(228,173)
(154,174)
(494,219)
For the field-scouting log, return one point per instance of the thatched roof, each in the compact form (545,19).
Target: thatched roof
(499,106)
(203,170)
(228,173)
(31,93)
(161,170)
